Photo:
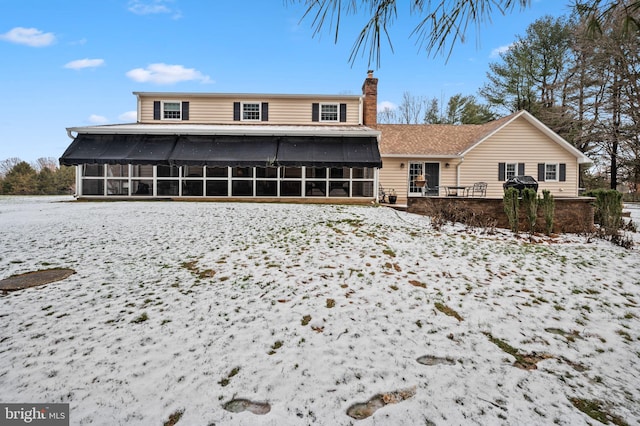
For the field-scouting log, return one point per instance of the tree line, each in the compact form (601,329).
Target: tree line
(43,177)
(583,84)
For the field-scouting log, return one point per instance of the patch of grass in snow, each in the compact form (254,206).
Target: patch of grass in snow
(389,252)
(277,345)
(225,380)
(626,336)
(306,319)
(448,311)
(142,318)
(417,283)
(331,303)
(524,361)
(174,418)
(596,410)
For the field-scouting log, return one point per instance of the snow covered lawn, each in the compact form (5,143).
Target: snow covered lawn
(296,313)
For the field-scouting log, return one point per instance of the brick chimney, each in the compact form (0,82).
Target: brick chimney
(370,101)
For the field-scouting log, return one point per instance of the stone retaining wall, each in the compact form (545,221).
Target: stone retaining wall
(572,215)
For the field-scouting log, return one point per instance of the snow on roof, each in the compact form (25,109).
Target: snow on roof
(227,129)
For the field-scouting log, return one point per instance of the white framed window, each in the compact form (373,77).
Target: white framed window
(551,171)
(329,112)
(251,111)
(510,170)
(171,110)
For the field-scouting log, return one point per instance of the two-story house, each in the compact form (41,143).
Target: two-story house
(226,145)
(311,147)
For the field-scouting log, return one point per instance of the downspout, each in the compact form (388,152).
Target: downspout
(458,171)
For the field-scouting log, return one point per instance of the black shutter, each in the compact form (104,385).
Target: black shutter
(563,172)
(343,113)
(541,170)
(236,111)
(265,111)
(156,110)
(185,110)
(520,169)
(501,171)
(315,112)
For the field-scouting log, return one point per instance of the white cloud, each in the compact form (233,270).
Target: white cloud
(84,63)
(166,74)
(30,36)
(129,116)
(387,105)
(98,119)
(495,53)
(153,7)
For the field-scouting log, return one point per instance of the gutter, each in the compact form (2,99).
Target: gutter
(227,131)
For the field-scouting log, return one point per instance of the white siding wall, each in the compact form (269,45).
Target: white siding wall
(519,142)
(219,110)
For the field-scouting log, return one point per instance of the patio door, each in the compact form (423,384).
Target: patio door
(431,171)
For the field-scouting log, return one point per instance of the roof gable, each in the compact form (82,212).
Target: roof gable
(445,140)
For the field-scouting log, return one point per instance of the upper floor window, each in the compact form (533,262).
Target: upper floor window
(328,112)
(171,111)
(250,111)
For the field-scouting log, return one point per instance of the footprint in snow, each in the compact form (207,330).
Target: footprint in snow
(240,405)
(362,410)
(434,360)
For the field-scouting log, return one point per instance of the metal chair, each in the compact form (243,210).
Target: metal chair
(478,188)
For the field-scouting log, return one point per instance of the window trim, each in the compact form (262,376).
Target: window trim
(163,111)
(242,105)
(556,177)
(506,170)
(320,112)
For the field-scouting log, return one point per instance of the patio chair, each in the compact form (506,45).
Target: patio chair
(478,189)
(382,195)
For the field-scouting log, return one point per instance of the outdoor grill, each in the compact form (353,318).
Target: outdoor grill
(520,183)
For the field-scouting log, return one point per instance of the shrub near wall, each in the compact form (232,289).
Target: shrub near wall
(572,215)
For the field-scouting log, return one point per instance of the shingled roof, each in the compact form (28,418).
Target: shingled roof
(437,140)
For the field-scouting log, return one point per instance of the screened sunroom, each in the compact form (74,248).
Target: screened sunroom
(263,162)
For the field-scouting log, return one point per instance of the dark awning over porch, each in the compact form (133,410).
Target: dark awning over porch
(224,151)
(236,150)
(118,149)
(329,152)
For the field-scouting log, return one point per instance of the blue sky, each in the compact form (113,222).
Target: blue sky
(73,63)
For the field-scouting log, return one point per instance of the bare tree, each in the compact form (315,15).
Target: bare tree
(7,165)
(46,163)
(387,115)
(410,110)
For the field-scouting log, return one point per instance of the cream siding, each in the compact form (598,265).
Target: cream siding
(519,142)
(282,110)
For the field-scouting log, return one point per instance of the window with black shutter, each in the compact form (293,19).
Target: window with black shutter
(156,110)
(502,171)
(185,111)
